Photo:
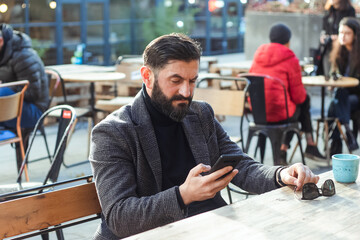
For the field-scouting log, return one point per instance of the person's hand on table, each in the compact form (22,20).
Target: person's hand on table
(297,175)
(199,188)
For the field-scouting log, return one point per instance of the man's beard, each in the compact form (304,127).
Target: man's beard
(163,104)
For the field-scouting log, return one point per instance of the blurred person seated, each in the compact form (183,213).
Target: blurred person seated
(345,60)
(18,61)
(276,59)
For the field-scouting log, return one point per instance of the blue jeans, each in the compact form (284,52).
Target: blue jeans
(344,104)
(30,113)
(341,107)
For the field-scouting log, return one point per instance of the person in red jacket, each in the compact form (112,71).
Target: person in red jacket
(277,60)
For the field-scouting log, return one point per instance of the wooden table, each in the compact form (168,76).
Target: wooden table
(233,67)
(67,69)
(274,215)
(320,81)
(92,77)
(79,68)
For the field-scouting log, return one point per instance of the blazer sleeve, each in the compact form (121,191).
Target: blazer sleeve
(253,176)
(116,172)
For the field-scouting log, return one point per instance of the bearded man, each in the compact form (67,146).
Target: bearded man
(148,157)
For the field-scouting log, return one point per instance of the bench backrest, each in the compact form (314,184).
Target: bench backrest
(48,209)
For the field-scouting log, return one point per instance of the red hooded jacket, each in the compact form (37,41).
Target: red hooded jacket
(279,61)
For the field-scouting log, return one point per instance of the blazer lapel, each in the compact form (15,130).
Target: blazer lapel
(196,139)
(147,138)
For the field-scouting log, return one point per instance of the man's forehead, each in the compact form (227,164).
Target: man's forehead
(182,68)
(176,63)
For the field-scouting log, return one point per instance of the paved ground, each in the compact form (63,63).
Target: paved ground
(77,151)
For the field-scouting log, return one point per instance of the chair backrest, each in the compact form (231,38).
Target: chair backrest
(54,82)
(50,209)
(66,120)
(256,92)
(223,101)
(11,106)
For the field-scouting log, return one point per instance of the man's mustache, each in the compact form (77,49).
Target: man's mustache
(179,97)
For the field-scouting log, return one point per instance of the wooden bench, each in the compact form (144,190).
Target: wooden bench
(44,212)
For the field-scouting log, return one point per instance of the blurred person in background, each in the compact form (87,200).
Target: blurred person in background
(335,11)
(18,61)
(345,60)
(278,60)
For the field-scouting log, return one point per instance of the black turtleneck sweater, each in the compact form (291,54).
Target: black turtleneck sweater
(175,153)
(176,156)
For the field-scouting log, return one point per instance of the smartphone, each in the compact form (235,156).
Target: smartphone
(224,161)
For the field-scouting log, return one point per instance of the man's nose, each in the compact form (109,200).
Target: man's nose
(185,89)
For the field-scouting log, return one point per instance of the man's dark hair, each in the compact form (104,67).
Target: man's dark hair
(174,46)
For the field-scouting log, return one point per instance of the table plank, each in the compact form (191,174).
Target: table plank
(79,68)
(93,76)
(274,215)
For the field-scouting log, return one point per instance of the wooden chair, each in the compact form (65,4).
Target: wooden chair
(225,102)
(48,211)
(10,108)
(81,112)
(330,125)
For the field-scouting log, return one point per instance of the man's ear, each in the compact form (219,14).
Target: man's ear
(146,75)
(1,42)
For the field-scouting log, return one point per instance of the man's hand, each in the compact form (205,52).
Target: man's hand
(198,188)
(298,174)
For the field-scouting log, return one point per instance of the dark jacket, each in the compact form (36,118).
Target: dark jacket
(331,22)
(333,17)
(18,61)
(279,61)
(126,163)
(353,71)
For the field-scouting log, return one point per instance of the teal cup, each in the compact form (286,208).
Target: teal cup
(345,167)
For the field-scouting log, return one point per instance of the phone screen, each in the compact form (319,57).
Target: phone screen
(224,161)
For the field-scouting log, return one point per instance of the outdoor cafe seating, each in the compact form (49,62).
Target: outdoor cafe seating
(263,129)
(67,117)
(58,89)
(225,101)
(228,98)
(10,108)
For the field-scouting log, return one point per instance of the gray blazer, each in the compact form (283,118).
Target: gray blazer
(127,168)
